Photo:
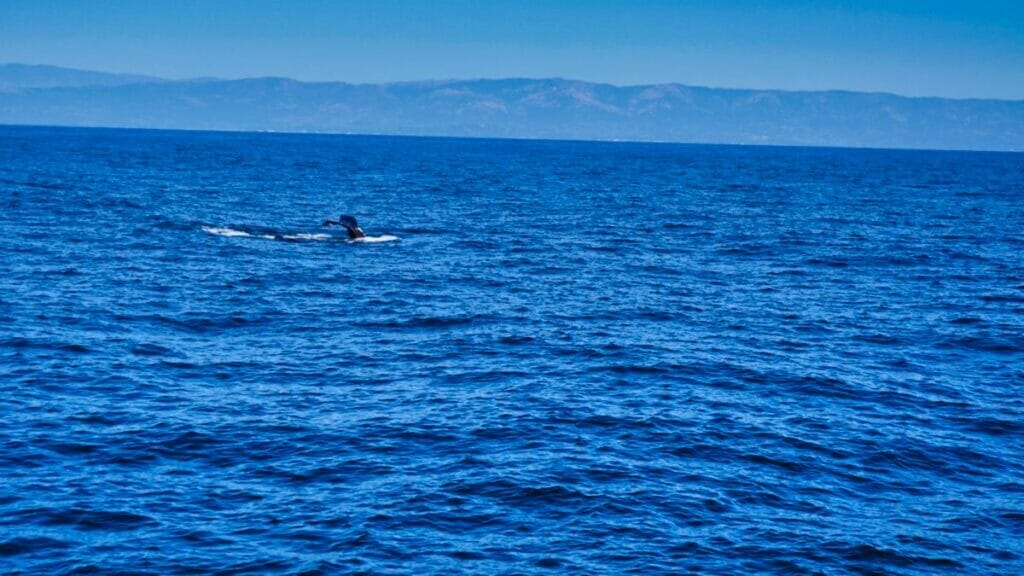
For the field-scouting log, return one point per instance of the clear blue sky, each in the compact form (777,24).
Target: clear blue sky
(941,48)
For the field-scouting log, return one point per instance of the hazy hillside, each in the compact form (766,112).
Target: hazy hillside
(35,76)
(520,108)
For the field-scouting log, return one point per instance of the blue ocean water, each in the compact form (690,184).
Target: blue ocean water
(572,358)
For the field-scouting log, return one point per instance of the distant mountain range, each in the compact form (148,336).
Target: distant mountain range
(513,108)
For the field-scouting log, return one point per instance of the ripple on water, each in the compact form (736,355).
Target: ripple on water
(581,358)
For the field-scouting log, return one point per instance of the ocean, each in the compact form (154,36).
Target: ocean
(552,357)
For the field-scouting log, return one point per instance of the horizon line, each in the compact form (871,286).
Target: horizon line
(507,138)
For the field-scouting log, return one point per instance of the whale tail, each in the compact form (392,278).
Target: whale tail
(350,224)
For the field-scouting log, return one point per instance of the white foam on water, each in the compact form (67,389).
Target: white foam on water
(229,232)
(375,239)
(304,236)
(233,233)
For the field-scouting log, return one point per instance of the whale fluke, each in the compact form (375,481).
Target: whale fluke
(350,224)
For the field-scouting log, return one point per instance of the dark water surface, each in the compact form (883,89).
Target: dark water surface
(578,358)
